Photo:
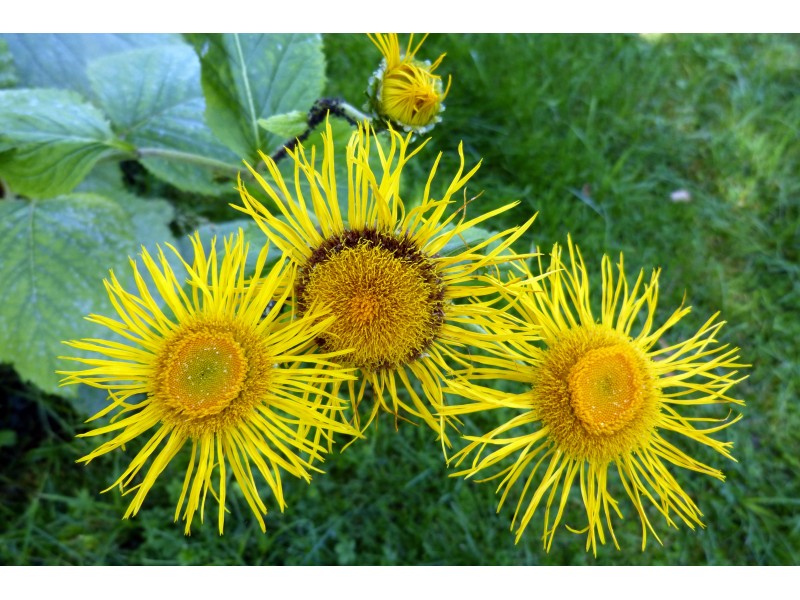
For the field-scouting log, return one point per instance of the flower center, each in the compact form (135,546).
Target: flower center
(595,392)
(385,293)
(205,373)
(364,308)
(606,389)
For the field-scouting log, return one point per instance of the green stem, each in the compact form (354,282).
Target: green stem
(351,113)
(196,159)
(122,146)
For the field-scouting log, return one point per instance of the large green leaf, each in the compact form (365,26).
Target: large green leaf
(148,223)
(149,217)
(154,99)
(105,179)
(247,77)
(49,140)
(54,255)
(8,75)
(59,59)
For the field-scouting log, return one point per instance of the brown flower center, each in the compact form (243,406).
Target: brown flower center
(386,294)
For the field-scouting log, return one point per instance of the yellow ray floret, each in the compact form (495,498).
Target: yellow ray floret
(405,91)
(216,366)
(396,277)
(600,397)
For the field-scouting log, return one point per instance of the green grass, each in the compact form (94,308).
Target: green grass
(594,133)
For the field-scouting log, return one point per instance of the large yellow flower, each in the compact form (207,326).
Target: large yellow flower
(220,368)
(404,91)
(600,396)
(396,295)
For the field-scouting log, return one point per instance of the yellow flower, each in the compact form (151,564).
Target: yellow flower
(404,91)
(382,267)
(600,396)
(220,368)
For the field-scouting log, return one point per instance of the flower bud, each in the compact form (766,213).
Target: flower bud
(404,91)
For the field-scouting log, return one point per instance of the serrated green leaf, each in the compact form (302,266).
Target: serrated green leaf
(149,217)
(154,99)
(288,126)
(55,255)
(8,75)
(55,138)
(58,60)
(247,77)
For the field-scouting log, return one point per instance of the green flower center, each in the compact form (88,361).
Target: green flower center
(205,373)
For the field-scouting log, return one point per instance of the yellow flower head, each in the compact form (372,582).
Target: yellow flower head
(404,91)
(219,368)
(599,396)
(383,267)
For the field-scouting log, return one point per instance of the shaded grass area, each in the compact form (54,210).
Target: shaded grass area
(595,133)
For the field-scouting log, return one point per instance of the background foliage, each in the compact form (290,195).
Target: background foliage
(109,142)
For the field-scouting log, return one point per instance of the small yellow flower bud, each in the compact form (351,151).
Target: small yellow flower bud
(404,91)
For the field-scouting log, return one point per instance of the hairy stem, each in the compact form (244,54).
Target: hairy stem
(318,113)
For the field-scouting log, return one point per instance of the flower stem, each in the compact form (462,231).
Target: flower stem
(130,152)
(196,159)
(318,113)
(352,114)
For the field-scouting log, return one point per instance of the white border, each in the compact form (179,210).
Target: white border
(369,583)
(588,16)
